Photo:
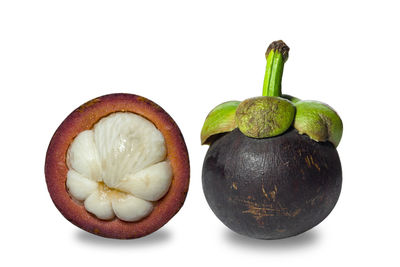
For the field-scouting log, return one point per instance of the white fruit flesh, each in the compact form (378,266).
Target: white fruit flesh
(119,167)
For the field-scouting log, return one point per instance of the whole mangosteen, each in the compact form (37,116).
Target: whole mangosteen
(272,170)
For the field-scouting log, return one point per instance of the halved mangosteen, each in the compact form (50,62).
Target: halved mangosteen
(118,167)
(272,170)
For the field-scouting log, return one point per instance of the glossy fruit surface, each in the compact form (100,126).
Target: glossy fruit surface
(274,187)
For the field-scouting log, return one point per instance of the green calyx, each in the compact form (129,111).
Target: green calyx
(269,115)
(319,121)
(273,114)
(264,116)
(292,99)
(220,120)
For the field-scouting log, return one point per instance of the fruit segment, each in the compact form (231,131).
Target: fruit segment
(99,204)
(130,208)
(126,143)
(83,157)
(118,167)
(80,187)
(149,184)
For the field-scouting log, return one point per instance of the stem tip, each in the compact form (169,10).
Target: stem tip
(280,47)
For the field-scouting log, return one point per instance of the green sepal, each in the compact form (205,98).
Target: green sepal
(220,120)
(319,121)
(265,116)
(292,99)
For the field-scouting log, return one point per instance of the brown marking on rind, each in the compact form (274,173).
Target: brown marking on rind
(234,186)
(83,118)
(258,211)
(307,159)
(295,213)
(265,193)
(317,199)
(310,162)
(315,164)
(284,211)
(273,193)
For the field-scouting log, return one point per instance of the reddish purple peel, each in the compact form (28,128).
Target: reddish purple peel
(83,118)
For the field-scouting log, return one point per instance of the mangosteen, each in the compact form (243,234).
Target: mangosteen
(272,169)
(118,167)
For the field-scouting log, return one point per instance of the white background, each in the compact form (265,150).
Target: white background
(188,57)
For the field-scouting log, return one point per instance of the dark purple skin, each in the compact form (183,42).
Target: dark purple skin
(274,187)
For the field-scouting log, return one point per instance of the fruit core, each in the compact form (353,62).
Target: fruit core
(119,168)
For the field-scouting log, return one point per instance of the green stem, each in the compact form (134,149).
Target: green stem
(277,54)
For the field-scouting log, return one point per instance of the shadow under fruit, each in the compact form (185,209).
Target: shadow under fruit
(272,170)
